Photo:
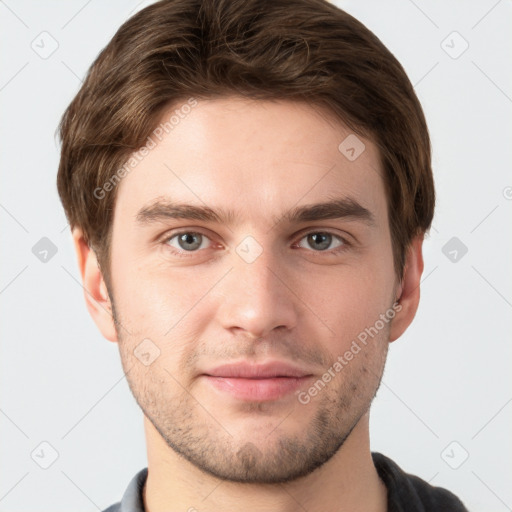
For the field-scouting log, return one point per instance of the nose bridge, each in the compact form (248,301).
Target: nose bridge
(254,297)
(256,280)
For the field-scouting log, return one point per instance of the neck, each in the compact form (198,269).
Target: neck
(347,482)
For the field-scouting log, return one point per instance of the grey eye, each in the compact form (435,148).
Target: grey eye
(321,241)
(188,241)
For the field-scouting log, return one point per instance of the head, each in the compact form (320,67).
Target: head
(249,182)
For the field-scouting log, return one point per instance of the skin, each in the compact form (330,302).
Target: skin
(294,302)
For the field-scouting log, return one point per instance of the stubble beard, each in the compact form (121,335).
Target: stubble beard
(193,432)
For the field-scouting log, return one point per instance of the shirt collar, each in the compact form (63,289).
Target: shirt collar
(132,500)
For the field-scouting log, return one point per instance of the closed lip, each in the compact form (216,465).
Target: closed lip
(268,370)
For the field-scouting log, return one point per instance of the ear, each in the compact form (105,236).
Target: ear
(95,290)
(408,292)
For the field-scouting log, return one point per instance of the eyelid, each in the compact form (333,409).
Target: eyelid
(347,238)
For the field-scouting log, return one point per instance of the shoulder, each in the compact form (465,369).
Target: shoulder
(407,493)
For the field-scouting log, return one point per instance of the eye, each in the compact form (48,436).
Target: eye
(322,241)
(192,241)
(188,241)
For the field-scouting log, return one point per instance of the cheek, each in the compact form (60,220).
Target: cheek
(351,301)
(167,305)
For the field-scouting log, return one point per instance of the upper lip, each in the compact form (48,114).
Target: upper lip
(248,370)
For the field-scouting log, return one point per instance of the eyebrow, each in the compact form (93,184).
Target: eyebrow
(341,208)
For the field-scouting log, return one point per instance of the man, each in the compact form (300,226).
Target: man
(249,184)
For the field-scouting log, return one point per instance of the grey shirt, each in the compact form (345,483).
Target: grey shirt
(406,493)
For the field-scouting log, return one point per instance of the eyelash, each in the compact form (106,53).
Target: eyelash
(187,254)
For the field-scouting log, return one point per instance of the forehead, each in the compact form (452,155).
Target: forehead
(256,157)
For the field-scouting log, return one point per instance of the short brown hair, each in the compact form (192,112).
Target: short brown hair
(303,50)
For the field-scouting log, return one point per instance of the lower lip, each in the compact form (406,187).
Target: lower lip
(257,389)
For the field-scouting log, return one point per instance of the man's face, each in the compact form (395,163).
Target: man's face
(254,288)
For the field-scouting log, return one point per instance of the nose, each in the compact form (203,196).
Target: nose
(258,297)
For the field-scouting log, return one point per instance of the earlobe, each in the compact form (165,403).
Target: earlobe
(95,290)
(408,291)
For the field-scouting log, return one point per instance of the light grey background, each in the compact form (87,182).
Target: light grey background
(446,391)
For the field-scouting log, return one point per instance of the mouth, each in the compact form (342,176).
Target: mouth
(257,382)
